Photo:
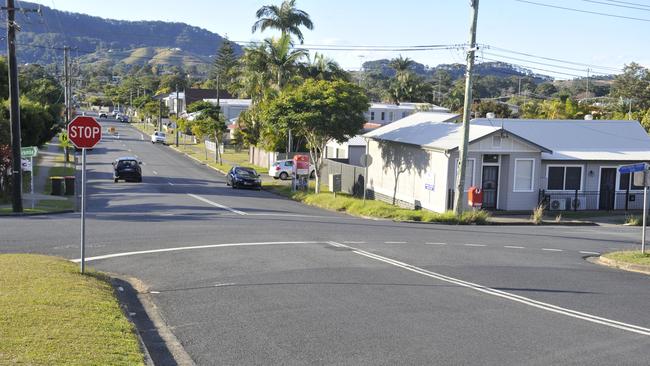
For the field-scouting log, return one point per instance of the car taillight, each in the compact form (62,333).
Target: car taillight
(277,167)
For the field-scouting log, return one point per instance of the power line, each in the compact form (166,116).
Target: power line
(582,11)
(628,3)
(591,66)
(616,5)
(536,68)
(535,62)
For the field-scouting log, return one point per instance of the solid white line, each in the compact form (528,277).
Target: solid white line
(216,204)
(155,172)
(513,247)
(436,243)
(354,242)
(474,245)
(394,242)
(585,252)
(503,294)
(223,284)
(551,250)
(176,249)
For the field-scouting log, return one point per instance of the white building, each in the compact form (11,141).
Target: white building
(385,113)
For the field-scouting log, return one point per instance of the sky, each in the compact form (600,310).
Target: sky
(592,43)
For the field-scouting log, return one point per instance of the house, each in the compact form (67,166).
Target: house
(568,164)
(350,151)
(231,108)
(385,113)
(178,104)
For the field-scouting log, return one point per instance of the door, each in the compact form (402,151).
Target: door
(607,188)
(490,186)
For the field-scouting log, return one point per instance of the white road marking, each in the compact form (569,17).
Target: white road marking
(129,150)
(436,243)
(586,252)
(354,242)
(394,242)
(474,245)
(223,284)
(155,172)
(513,247)
(551,250)
(154,292)
(142,137)
(170,183)
(216,204)
(177,249)
(503,294)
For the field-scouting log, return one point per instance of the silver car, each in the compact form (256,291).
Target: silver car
(283,169)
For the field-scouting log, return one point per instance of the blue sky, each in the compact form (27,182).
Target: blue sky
(508,24)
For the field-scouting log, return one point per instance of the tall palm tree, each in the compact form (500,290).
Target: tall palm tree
(323,68)
(400,64)
(282,60)
(286,18)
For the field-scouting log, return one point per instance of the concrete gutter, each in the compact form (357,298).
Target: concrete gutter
(631,267)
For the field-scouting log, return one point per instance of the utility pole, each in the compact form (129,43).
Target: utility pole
(462,152)
(587,96)
(160,112)
(66,78)
(177,114)
(14,111)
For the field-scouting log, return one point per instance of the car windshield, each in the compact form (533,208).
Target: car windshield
(127,164)
(246,172)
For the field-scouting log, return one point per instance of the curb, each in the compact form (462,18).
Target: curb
(630,267)
(36,213)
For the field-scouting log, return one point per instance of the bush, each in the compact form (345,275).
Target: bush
(538,215)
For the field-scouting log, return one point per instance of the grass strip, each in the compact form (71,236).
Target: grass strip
(53,315)
(377,209)
(630,257)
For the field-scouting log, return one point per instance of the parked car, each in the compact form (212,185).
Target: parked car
(158,136)
(283,169)
(103,115)
(128,169)
(123,118)
(239,177)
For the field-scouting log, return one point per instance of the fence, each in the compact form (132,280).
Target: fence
(352,177)
(591,200)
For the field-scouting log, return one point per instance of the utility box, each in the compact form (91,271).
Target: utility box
(335,182)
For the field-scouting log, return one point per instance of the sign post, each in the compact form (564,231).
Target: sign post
(641,175)
(30,152)
(84,132)
(365,161)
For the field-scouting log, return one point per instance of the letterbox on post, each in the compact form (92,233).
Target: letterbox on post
(474,197)
(300,171)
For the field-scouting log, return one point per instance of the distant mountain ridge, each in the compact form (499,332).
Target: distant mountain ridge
(87,34)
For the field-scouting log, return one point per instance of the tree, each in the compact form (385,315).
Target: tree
(286,18)
(400,64)
(500,110)
(320,111)
(634,84)
(224,70)
(323,68)
(210,123)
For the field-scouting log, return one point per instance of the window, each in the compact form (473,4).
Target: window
(524,172)
(564,178)
(372,116)
(288,163)
(492,158)
(627,182)
(404,114)
(469,174)
(383,115)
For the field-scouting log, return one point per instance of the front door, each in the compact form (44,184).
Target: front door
(607,188)
(490,186)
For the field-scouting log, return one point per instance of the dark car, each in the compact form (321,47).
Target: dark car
(127,169)
(123,118)
(243,177)
(103,115)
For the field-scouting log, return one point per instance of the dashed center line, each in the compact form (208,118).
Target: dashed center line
(394,242)
(474,245)
(216,204)
(155,172)
(435,243)
(551,250)
(513,247)
(170,183)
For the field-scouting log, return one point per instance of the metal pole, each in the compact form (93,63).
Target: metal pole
(14,111)
(83,210)
(462,154)
(66,81)
(365,178)
(177,113)
(645,206)
(31,179)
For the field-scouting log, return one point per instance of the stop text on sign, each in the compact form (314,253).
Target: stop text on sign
(84,132)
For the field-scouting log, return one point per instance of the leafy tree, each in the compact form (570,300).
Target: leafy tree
(500,110)
(286,18)
(224,70)
(323,68)
(210,123)
(320,111)
(633,83)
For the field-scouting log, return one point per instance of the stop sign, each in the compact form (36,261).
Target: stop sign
(84,132)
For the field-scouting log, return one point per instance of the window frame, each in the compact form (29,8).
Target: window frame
(582,176)
(532,176)
(372,115)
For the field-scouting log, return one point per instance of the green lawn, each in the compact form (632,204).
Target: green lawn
(634,257)
(377,209)
(53,315)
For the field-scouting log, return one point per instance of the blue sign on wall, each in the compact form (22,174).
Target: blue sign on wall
(633,168)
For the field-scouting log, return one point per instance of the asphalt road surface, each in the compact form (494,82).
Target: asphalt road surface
(245,277)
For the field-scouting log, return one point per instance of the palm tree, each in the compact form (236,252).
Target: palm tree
(286,18)
(323,68)
(281,59)
(400,64)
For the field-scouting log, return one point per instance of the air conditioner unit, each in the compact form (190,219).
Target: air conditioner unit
(579,203)
(557,204)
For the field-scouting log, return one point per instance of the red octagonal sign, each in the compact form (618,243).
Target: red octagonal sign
(84,132)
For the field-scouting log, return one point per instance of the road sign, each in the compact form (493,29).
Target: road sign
(633,168)
(28,152)
(84,132)
(26,165)
(365,160)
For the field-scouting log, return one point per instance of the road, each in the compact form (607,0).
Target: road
(244,277)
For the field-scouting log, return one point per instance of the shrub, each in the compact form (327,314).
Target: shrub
(538,215)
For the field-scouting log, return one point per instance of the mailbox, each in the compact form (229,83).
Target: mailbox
(301,164)
(474,197)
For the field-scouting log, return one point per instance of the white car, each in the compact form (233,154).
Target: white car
(283,169)
(158,137)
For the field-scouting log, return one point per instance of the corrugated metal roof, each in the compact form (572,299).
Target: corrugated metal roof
(580,139)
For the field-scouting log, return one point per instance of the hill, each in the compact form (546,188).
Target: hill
(88,34)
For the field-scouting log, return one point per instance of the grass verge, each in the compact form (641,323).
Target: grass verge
(631,257)
(53,315)
(378,209)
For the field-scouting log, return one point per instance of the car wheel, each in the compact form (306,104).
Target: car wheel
(275,177)
(139,180)
(115,180)
(284,175)
(234,185)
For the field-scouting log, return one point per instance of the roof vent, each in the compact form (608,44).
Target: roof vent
(490,115)
(589,117)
